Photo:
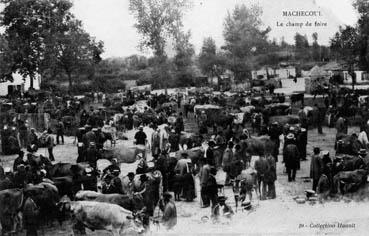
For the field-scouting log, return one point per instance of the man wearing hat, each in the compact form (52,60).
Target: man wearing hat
(50,143)
(227,160)
(301,142)
(155,143)
(222,208)
(19,160)
(141,138)
(173,139)
(169,219)
(360,163)
(291,157)
(316,167)
(92,154)
(32,138)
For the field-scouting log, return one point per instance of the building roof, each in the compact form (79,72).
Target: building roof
(317,71)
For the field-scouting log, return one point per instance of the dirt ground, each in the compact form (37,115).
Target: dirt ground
(281,216)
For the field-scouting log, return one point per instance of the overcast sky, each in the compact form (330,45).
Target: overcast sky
(110,21)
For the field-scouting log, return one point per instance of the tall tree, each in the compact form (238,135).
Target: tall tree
(362,6)
(6,60)
(183,60)
(74,50)
(156,21)
(244,37)
(211,61)
(45,38)
(344,45)
(316,48)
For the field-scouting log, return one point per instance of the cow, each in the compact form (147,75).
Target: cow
(261,145)
(126,154)
(11,201)
(86,195)
(102,216)
(153,191)
(297,97)
(132,203)
(283,120)
(349,181)
(46,198)
(65,169)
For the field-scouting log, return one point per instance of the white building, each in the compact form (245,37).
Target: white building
(19,84)
(281,72)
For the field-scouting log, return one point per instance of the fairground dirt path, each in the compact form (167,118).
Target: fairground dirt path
(281,216)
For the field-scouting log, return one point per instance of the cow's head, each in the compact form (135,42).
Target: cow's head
(136,223)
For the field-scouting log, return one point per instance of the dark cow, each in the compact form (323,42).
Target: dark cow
(297,97)
(261,145)
(65,169)
(11,201)
(46,198)
(349,181)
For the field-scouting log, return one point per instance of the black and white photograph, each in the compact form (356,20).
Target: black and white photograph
(184,117)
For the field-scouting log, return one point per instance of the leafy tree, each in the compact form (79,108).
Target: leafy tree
(6,62)
(345,46)
(244,37)
(156,21)
(362,6)
(45,38)
(74,50)
(315,47)
(211,62)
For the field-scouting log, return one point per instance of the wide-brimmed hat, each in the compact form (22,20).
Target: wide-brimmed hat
(143,177)
(222,198)
(140,127)
(290,136)
(362,151)
(131,174)
(167,195)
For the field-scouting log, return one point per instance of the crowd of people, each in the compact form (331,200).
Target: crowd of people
(215,146)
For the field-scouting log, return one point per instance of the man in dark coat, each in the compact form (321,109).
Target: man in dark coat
(210,153)
(92,155)
(316,167)
(274,132)
(302,142)
(88,137)
(291,157)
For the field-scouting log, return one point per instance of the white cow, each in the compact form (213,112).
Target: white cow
(104,216)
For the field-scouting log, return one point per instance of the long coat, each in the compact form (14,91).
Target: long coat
(227,159)
(291,156)
(316,167)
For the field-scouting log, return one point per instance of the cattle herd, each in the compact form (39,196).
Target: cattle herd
(187,134)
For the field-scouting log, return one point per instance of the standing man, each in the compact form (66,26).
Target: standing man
(59,131)
(291,157)
(316,167)
(141,139)
(271,177)
(212,188)
(261,166)
(274,133)
(155,143)
(204,176)
(227,160)
(50,142)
